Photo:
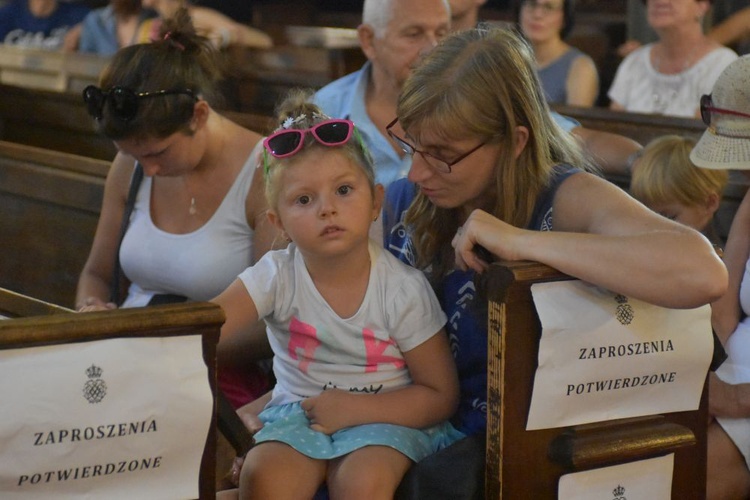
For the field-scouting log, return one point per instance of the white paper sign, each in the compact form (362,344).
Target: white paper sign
(119,418)
(604,356)
(645,479)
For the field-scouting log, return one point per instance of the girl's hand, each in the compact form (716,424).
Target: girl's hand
(327,411)
(249,417)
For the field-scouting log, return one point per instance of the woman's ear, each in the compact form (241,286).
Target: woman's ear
(703,6)
(201,110)
(521,137)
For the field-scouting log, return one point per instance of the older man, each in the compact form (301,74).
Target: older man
(394,35)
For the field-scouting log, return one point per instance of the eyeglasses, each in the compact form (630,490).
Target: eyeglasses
(707,107)
(287,142)
(437,163)
(123,101)
(546,8)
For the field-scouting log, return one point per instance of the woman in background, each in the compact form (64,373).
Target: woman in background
(121,23)
(221,30)
(568,75)
(669,76)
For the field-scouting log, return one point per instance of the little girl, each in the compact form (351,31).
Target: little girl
(365,376)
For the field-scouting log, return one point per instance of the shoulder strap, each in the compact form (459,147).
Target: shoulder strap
(135,183)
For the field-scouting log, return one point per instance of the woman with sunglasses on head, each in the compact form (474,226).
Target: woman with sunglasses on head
(568,75)
(493,177)
(668,76)
(725,145)
(198,215)
(365,377)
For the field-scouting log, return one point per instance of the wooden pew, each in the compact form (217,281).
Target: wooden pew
(50,203)
(528,464)
(16,305)
(313,57)
(639,127)
(49,69)
(59,121)
(52,120)
(36,323)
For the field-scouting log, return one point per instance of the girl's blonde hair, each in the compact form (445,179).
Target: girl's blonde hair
(482,83)
(665,174)
(297,111)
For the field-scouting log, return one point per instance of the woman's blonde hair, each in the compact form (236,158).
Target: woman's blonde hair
(297,111)
(665,174)
(482,83)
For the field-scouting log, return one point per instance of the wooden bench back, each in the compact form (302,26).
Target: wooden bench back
(50,203)
(639,127)
(262,77)
(37,324)
(49,69)
(52,120)
(59,121)
(519,463)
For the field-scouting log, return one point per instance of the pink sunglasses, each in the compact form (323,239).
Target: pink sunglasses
(288,142)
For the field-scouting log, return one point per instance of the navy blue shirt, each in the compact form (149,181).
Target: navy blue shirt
(467,320)
(18,26)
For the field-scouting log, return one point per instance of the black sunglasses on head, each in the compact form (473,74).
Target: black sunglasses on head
(123,102)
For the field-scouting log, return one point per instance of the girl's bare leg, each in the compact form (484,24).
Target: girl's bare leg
(372,472)
(276,470)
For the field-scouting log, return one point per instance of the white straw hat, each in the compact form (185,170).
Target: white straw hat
(726,142)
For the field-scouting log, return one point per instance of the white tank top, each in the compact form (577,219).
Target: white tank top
(198,265)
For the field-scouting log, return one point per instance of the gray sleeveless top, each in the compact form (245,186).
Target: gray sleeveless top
(555,75)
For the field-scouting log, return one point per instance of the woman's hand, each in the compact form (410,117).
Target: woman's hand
(92,304)
(490,233)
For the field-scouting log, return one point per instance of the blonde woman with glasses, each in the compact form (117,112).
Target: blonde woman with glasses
(492,177)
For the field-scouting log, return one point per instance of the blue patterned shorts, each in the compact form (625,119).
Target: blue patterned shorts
(288,424)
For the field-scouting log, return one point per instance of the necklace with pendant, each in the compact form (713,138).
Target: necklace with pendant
(192,210)
(666,92)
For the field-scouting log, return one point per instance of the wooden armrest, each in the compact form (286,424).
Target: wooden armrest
(596,445)
(231,426)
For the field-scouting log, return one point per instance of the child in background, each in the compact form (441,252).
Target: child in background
(365,376)
(665,180)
